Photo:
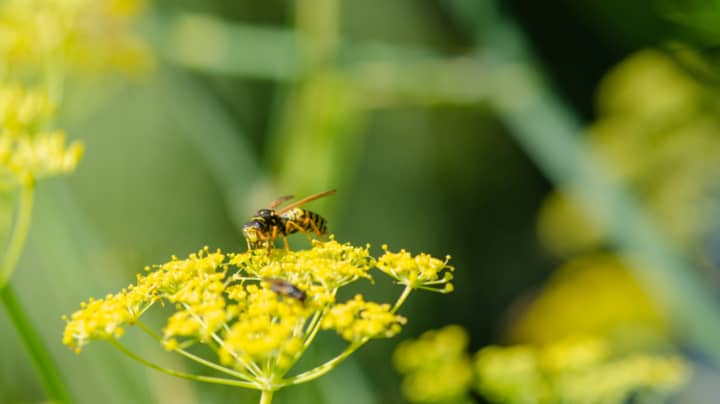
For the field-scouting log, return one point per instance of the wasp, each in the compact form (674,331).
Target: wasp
(268,224)
(285,288)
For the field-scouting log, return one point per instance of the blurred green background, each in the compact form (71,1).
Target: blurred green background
(444,125)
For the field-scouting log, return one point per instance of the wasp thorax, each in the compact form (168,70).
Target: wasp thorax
(265,213)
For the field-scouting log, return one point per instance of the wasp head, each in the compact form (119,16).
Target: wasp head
(251,230)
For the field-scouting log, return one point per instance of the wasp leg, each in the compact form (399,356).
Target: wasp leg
(290,225)
(312,224)
(285,243)
(272,238)
(254,245)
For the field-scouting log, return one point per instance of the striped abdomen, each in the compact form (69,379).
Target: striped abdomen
(298,219)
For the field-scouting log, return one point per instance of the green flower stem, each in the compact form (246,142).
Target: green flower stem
(206,379)
(312,331)
(39,355)
(196,358)
(45,367)
(250,366)
(55,76)
(401,300)
(19,234)
(266,397)
(314,328)
(325,367)
(332,363)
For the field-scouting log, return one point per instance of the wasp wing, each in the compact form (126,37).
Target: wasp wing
(277,202)
(305,200)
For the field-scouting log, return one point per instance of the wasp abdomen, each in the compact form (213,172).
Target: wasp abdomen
(299,219)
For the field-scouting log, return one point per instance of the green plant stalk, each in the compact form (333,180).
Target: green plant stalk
(19,234)
(332,363)
(250,366)
(193,357)
(45,367)
(206,379)
(266,397)
(401,300)
(325,367)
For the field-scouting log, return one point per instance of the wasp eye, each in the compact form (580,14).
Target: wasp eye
(252,226)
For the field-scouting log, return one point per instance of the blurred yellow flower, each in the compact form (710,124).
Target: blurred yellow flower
(592,295)
(435,367)
(657,132)
(28,151)
(564,229)
(22,109)
(82,34)
(511,375)
(575,371)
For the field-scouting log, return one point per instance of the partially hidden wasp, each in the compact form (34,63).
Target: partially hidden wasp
(269,224)
(287,289)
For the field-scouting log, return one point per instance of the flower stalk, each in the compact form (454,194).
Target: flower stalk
(266,397)
(45,367)
(43,363)
(19,233)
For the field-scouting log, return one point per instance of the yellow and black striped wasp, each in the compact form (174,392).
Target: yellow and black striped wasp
(269,224)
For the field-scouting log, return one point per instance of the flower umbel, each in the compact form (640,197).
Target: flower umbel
(358,320)
(576,371)
(436,367)
(421,271)
(81,34)
(28,151)
(228,303)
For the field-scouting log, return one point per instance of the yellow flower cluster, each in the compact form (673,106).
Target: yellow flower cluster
(268,327)
(436,367)
(246,306)
(98,319)
(358,320)
(87,34)
(330,265)
(29,152)
(419,272)
(575,371)
(23,110)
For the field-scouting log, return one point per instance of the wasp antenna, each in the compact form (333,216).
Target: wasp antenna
(306,200)
(277,202)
